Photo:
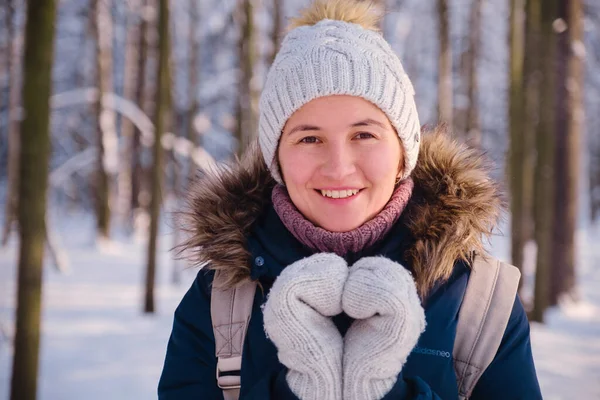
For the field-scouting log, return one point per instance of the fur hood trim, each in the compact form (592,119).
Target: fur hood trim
(455,205)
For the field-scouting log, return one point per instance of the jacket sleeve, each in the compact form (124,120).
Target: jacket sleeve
(511,375)
(190,364)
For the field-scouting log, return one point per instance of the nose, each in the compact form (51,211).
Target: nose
(338,163)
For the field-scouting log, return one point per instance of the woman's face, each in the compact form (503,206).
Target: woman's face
(340,158)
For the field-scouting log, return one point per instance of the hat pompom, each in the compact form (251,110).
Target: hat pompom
(363,13)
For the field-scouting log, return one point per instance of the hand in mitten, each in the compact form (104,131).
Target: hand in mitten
(381,295)
(297,319)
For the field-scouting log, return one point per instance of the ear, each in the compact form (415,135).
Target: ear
(400,166)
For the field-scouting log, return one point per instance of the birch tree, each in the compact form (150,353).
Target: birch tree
(106,136)
(12,69)
(131,78)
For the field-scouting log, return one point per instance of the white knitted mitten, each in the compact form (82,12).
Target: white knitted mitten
(297,319)
(381,295)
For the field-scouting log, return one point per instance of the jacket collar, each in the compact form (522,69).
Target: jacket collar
(455,204)
(273,247)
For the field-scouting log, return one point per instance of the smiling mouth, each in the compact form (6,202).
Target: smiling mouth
(339,194)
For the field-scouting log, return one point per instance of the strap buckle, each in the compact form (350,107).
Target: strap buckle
(229,366)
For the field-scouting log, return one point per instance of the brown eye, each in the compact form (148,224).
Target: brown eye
(309,139)
(364,135)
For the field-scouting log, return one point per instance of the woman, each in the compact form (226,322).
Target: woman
(361,251)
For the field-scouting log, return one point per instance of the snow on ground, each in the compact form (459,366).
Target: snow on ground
(97,344)
(566,348)
(567,351)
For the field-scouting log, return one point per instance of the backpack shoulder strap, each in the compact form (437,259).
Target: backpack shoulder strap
(482,319)
(230,311)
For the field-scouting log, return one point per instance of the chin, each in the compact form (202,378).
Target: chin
(340,227)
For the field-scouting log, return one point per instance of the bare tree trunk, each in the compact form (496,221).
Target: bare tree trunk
(593,143)
(569,127)
(151,82)
(517,163)
(576,106)
(33,171)
(137,173)
(532,86)
(594,179)
(473,126)
(176,197)
(248,98)
(190,131)
(130,80)
(544,188)
(163,103)
(278,6)
(193,74)
(558,259)
(106,131)
(445,107)
(177,126)
(12,66)
(5,51)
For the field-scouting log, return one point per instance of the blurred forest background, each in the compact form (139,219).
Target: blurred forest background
(109,108)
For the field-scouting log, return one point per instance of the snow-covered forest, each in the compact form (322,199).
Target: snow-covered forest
(145,94)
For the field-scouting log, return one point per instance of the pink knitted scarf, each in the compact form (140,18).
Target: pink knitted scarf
(341,243)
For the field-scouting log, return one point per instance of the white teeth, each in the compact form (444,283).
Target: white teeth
(339,194)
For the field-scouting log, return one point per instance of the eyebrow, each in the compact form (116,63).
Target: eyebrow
(364,122)
(304,128)
(367,122)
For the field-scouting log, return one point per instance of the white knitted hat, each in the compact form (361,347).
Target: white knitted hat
(336,58)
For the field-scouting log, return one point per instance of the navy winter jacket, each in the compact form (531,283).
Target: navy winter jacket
(190,364)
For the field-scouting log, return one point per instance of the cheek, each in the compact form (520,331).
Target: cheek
(382,166)
(296,167)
